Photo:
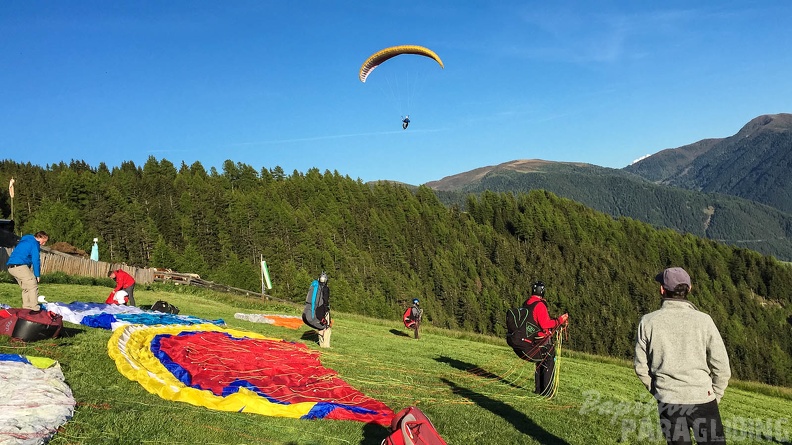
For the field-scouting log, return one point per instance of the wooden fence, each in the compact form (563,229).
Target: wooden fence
(191,279)
(54,261)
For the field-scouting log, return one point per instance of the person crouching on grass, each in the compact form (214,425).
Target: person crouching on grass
(124,289)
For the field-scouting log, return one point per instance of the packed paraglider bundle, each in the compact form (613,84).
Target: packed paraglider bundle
(411,426)
(29,325)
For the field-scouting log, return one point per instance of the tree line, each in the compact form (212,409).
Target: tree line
(384,244)
(730,219)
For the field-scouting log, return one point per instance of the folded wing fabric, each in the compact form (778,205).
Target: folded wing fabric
(232,370)
(34,399)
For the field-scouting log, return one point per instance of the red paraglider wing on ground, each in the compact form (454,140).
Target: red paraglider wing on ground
(280,371)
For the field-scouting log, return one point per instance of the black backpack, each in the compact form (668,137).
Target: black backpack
(164,306)
(523,334)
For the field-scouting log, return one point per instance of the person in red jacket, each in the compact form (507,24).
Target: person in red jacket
(124,290)
(543,376)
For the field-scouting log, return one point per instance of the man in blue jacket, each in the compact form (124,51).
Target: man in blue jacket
(25,266)
(681,359)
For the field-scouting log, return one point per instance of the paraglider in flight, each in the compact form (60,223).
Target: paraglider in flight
(388,53)
(381,56)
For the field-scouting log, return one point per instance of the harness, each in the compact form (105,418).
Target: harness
(525,336)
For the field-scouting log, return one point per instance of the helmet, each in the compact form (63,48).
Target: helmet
(538,288)
(323,278)
(415,301)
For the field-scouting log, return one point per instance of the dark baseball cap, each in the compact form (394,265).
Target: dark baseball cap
(673,277)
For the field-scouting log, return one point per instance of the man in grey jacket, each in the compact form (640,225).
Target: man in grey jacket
(681,359)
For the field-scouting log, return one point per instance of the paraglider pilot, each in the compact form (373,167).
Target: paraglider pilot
(413,316)
(324,334)
(317,309)
(543,376)
(405,122)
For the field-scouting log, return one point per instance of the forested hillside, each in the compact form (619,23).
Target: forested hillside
(752,164)
(384,244)
(720,217)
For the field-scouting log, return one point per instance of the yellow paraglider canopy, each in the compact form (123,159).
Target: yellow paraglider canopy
(380,56)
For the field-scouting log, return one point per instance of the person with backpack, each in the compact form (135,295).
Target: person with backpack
(124,289)
(317,309)
(413,316)
(681,359)
(530,334)
(24,264)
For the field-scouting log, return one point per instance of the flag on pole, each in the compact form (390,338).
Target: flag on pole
(11,188)
(265,273)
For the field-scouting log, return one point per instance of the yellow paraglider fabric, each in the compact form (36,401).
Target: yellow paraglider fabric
(380,56)
(129,347)
(41,362)
(233,370)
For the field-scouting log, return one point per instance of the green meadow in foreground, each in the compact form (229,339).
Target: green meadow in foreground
(472,387)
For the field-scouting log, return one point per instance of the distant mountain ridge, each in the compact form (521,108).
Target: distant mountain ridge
(754,164)
(676,188)
(464,180)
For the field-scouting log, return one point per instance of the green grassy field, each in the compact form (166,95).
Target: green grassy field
(472,387)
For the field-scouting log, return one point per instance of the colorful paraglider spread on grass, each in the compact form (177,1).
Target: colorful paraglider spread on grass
(232,370)
(111,316)
(187,359)
(284,321)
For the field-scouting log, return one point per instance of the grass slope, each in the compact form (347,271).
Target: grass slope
(472,387)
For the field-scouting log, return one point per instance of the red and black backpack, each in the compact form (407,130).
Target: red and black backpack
(528,340)
(29,325)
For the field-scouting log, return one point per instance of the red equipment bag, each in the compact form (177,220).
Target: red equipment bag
(28,325)
(409,322)
(410,426)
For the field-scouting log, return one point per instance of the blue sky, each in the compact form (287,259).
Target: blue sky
(275,83)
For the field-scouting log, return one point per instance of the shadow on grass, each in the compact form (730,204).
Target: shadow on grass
(69,332)
(399,333)
(520,421)
(373,434)
(475,370)
(310,335)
